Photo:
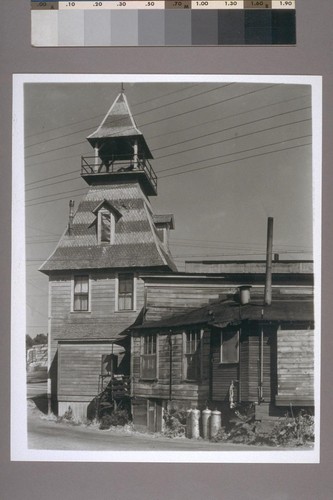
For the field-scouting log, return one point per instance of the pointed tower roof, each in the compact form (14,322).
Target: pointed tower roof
(119,123)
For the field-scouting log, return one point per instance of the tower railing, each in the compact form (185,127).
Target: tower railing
(92,165)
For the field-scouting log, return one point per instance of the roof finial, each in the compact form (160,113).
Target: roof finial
(122,88)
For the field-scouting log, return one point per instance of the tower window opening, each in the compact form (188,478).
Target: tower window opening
(106,226)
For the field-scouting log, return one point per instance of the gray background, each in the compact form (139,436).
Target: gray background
(312,55)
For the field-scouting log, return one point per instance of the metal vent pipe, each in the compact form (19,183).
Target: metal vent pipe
(268,283)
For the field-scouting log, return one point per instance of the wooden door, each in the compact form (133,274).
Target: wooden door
(154,415)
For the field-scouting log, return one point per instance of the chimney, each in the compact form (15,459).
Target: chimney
(244,294)
(268,283)
(71,216)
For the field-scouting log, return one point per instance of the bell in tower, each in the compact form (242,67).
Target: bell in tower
(120,151)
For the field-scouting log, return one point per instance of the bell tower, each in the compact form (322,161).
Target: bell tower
(111,239)
(121,153)
(114,226)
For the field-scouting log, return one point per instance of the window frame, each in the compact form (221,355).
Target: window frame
(118,294)
(221,360)
(153,355)
(99,226)
(199,344)
(88,293)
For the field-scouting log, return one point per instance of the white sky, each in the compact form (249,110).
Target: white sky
(246,148)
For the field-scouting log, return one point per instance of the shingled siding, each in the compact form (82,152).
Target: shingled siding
(295,367)
(181,390)
(136,243)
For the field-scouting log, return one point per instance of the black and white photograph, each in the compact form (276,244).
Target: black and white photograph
(166,268)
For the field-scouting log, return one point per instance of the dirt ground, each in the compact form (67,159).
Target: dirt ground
(47,433)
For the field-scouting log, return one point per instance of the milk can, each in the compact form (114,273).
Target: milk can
(206,416)
(215,423)
(188,432)
(195,428)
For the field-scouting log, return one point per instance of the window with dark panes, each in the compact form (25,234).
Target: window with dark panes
(229,347)
(105,226)
(149,357)
(81,293)
(125,292)
(192,355)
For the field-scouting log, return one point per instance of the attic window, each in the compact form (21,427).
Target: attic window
(106,226)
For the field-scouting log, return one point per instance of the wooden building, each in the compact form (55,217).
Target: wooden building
(95,286)
(232,349)
(117,304)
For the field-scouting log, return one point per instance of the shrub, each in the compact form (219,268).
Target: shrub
(117,417)
(294,431)
(289,431)
(174,423)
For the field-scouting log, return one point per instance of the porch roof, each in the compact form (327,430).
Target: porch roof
(228,311)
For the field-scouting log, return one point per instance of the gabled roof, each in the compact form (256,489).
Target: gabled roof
(109,206)
(136,243)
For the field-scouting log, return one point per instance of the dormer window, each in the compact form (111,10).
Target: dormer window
(106,217)
(106,226)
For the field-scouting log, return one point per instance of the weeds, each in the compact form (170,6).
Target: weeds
(117,417)
(174,423)
(288,431)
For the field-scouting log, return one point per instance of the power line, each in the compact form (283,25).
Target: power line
(179,166)
(163,119)
(233,127)
(103,115)
(225,117)
(178,130)
(119,120)
(55,194)
(238,152)
(234,138)
(174,174)
(233,161)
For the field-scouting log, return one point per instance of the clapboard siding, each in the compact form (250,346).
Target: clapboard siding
(295,366)
(165,301)
(160,388)
(79,369)
(102,322)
